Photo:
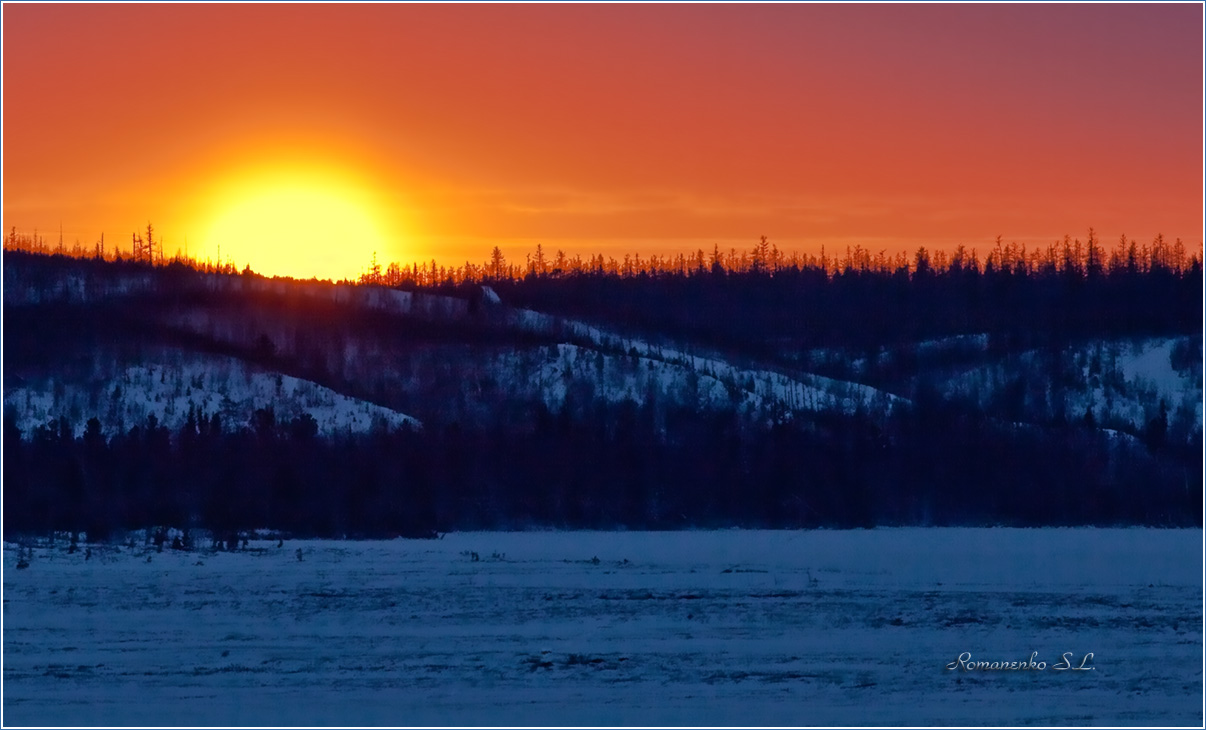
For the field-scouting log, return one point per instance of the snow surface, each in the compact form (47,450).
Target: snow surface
(1122,381)
(209,384)
(798,392)
(695,382)
(584,628)
(1148,364)
(490,296)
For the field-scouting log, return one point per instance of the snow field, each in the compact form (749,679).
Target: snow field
(583,628)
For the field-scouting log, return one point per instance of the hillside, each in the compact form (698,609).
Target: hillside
(175,386)
(475,412)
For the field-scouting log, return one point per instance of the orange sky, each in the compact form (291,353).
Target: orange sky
(613,128)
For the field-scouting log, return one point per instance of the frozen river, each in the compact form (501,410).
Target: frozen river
(591,628)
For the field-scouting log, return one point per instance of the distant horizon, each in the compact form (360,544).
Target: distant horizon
(480,249)
(764,256)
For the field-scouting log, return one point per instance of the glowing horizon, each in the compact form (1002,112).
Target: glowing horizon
(427,132)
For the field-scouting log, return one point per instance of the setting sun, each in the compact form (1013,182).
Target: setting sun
(301,226)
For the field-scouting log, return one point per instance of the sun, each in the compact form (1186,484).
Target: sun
(299,224)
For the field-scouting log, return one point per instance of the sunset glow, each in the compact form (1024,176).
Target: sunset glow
(613,129)
(298,224)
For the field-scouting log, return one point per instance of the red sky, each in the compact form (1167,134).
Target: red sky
(614,128)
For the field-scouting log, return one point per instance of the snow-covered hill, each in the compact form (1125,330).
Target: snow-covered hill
(701,379)
(468,357)
(1121,382)
(168,386)
(560,371)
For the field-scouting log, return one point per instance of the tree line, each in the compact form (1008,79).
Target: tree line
(784,315)
(1087,258)
(594,465)
(769,304)
(1090,257)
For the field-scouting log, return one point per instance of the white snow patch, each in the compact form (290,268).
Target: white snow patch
(212,385)
(783,393)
